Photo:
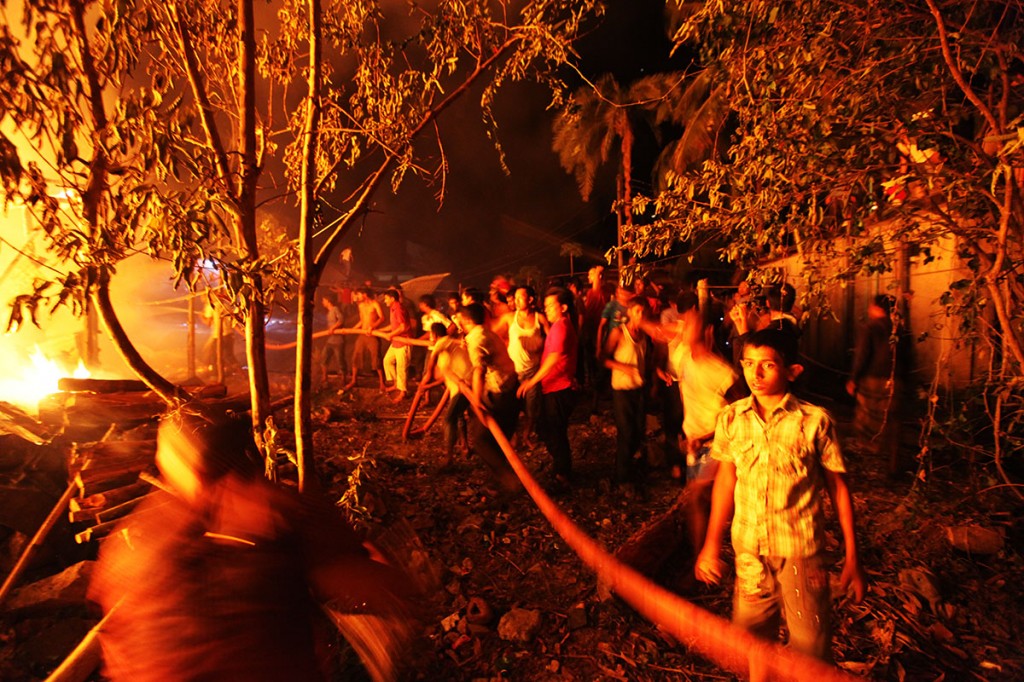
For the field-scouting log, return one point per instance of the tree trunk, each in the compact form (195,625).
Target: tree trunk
(627,182)
(157,383)
(309,273)
(96,188)
(255,336)
(618,225)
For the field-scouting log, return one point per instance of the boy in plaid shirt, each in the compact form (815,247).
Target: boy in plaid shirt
(778,457)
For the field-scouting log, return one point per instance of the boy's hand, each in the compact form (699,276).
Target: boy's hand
(709,567)
(853,577)
(524,388)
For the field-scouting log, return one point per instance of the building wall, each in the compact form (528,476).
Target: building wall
(829,336)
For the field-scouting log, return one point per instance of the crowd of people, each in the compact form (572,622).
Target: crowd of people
(718,371)
(222,560)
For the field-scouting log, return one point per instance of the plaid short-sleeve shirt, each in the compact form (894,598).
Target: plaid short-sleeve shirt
(780,475)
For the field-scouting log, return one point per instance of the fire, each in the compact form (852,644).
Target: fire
(30,382)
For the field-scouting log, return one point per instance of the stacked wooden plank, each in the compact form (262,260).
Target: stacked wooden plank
(111,477)
(105,472)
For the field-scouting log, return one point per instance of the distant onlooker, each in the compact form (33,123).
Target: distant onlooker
(594,301)
(429,314)
(494,386)
(525,327)
(880,362)
(665,345)
(625,354)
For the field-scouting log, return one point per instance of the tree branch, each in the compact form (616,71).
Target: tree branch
(374,180)
(958,76)
(205,107)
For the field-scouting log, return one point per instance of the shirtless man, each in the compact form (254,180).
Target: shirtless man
(370,317)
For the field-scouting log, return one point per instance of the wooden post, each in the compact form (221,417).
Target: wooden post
(703,295)
(192,336)
(412,410)
(218,331)
(620,182)
(92,349)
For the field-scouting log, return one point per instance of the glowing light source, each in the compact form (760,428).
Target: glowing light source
(26,383)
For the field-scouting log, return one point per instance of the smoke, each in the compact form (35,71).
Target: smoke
(152,312)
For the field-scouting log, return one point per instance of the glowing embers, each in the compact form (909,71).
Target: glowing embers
(27,381)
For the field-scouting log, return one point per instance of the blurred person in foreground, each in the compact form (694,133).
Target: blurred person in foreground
(221,576)
(778,457)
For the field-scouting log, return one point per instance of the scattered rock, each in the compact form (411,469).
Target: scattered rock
(975,539)
(478,611)
(471,522)
(450,623)
(578,616)
(64,589)
(941,633)
(519,625)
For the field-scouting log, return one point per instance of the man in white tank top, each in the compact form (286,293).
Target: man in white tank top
(525,329)
(625,354)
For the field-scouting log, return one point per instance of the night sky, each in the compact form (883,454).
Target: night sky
(490,222)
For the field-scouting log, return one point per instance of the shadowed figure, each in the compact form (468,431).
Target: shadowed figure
(223,576)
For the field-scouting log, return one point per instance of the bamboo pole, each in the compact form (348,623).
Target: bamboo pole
(37,540)
(85,657)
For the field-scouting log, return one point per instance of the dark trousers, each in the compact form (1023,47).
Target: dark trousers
(531,402)
(630,420)
(457,407)
(504,407)
(556,407)
(672,423)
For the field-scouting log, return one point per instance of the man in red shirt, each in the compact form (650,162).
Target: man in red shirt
(396,360)
(557,379)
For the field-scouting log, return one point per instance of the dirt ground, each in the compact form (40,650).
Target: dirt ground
(932,612)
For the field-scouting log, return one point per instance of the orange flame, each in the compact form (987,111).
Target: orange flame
(29,382)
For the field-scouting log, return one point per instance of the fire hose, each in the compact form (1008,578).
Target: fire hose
(729,646)
(348,331)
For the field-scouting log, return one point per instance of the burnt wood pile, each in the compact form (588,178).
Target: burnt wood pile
(112,479)
(103,434)
(111,425)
